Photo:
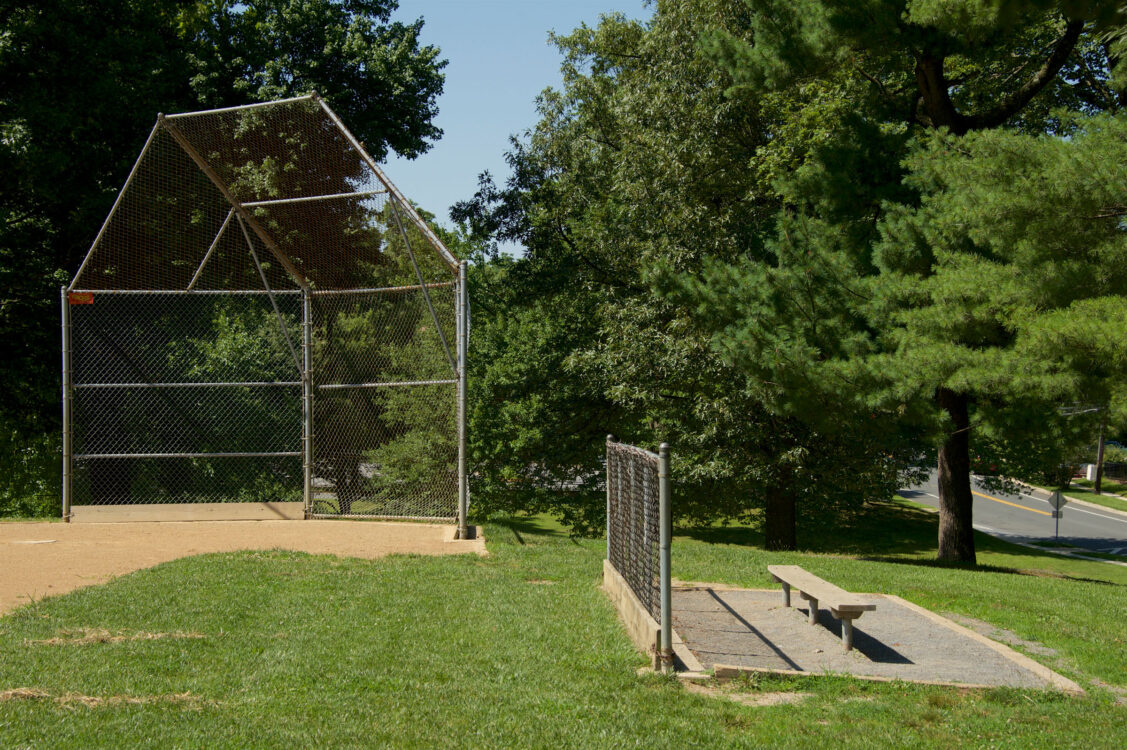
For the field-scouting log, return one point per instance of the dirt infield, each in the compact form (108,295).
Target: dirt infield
(45,559)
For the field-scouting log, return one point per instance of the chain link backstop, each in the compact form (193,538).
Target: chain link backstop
(264,318)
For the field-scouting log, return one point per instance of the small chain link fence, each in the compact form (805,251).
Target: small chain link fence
(263,317)
(633,520)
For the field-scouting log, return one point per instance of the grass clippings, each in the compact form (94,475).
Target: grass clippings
(775,698)
(86,636)
(68,700)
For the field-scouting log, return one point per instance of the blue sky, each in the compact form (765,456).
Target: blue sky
(500,60)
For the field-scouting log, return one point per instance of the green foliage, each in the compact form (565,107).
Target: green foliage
(1113,453)
(574,347)
(32,472)
(1008,282)
(898,228)
(535,433)
(348,51)
(831,250)
(643,161)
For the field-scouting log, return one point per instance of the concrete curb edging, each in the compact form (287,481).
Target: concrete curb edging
(728,671)
(640,626)
(474,541)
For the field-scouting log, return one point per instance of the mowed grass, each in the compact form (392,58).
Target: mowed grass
(521,649)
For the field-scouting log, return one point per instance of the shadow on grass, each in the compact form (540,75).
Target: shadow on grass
(528,529)
(947,565)
(888,528)
(891,531)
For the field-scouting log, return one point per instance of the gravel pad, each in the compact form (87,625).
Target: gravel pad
(752,628)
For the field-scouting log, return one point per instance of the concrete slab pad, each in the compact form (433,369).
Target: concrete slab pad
(750,628)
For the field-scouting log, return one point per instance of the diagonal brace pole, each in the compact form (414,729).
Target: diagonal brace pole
(412,214)
(210,250)
(270,294)
(243,213)
(423,285)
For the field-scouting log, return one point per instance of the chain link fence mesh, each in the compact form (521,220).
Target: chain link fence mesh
(633,521)
(384,404)
(186,327)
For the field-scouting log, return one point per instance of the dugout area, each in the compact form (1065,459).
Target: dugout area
(700,631)
(264,327)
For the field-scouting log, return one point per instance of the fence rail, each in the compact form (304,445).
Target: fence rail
(639,528)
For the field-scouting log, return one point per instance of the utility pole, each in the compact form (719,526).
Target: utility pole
(1100,455)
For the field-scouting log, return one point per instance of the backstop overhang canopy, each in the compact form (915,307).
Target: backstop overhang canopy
(286,177)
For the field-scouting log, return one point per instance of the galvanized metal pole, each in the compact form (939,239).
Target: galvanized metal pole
(68,448)
(307,402)
(666,524)
(463,489)
(610,441)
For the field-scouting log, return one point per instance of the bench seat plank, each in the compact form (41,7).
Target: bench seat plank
(844,606)
(812,587)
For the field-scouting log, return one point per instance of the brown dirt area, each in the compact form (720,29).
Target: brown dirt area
(46,559)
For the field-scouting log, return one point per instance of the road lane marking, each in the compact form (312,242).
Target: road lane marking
(1072,508)
(1016,505)
(1080,510)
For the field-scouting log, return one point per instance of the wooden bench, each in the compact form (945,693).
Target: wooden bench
(841,604)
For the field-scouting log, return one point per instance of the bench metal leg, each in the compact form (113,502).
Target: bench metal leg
(847,633)
(786,594)
(813,611)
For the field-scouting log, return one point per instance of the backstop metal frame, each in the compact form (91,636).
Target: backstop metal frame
(264,314)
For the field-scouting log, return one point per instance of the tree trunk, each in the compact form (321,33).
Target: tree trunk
(779,523)
(956,529)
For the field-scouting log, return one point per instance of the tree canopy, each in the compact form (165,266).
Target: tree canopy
(812,242)
(641,162)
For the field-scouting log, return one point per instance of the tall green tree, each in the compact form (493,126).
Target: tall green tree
(642,161)
(80,84)
(913,69)
(1022,241)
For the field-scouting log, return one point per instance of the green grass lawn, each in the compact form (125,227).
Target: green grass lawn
(1108,485)
(521,649)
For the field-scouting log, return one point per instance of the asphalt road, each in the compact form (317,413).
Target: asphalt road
(1028,518)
